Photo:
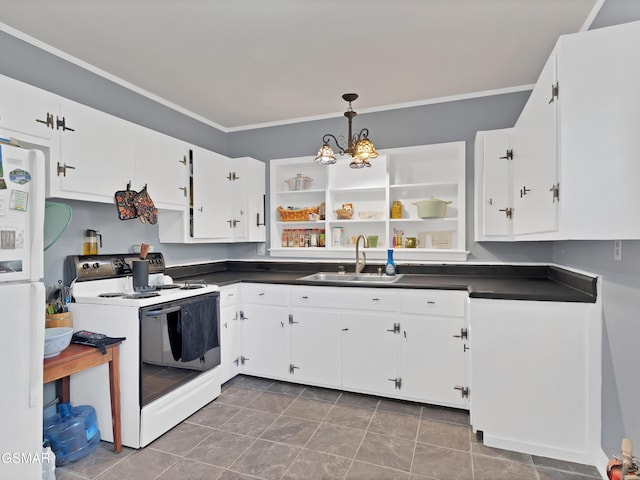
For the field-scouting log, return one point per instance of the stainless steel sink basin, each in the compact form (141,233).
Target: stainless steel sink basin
(350,277)
(374,278)
(328,277)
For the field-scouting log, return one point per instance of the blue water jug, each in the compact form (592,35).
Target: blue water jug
(72,433)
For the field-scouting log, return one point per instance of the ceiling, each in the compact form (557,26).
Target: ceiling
(244,63)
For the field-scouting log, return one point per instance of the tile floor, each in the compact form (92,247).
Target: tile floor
(270,430)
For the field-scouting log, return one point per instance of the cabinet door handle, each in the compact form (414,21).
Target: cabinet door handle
(48,122)
(430,302)
(62,169)
(464,333)
(184,190)
(184,160)
(524,191)
(62,125)
(508,155)
(396,328)
(345,329)
(555,90)
(507,211)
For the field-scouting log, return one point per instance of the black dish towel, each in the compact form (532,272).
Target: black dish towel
(198,327)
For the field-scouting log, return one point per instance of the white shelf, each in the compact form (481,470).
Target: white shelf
(406,174)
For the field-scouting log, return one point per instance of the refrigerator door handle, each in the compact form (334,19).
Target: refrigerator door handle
(37,160)
(36,343)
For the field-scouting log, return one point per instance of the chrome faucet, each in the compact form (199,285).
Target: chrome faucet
(361,263)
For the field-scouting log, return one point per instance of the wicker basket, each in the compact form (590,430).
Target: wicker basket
(298,215)
(344,213)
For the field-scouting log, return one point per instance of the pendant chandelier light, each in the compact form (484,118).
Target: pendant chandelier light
(359,147)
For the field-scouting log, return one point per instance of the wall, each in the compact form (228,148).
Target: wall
(621,300)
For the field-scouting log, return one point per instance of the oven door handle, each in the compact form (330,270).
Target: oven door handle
(162,311)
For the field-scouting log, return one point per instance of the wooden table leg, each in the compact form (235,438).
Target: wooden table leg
(114,387)
(65,389)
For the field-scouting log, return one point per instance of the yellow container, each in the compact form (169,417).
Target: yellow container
(396,209)
(64,319)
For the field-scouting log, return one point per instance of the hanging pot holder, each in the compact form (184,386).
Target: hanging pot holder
(124,203)
(146,210)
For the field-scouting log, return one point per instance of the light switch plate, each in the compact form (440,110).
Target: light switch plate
(617,250)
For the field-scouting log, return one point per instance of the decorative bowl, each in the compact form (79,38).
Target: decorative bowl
(371,215)
(56,340)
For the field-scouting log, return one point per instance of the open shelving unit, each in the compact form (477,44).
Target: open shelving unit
(406,174)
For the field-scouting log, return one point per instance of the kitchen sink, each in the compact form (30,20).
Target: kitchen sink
(328,277)
(351,277)
(374,278)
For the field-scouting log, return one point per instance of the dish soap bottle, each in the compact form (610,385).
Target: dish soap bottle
(390,267)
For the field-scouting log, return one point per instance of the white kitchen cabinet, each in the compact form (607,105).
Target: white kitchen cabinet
(256,199)
(230,333)
(264,315)
(434,344)
(370,349)
(535,157)
(535,376)
(575,143)
(226,196)
(401,174)
(245,210)
(25,109)
(316,353)
(96,155)
(493,187)
(162,164)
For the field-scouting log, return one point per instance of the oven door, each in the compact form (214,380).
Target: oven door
(182,334)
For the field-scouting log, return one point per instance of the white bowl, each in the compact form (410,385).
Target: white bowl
(56,340)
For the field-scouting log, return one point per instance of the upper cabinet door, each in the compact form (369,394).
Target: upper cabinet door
(162,163)
(493,185)
(211,193)
(25,109)
(535,160)
(255,199)
(97,150)
(599,75)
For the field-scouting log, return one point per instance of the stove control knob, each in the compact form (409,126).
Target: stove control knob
(96,265)
(85,266)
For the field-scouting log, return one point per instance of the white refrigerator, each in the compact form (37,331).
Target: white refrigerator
(22,311)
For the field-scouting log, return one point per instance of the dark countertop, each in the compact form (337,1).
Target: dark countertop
(507,282)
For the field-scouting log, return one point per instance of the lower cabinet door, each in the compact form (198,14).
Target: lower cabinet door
(370,353)
(432,360)
(230,342)
(316,355)
(265,340)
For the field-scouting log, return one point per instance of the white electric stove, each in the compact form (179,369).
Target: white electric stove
(159,385)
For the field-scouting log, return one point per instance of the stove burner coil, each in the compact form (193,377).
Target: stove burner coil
(191,287)
(112,294)
(167,286)
(143,295)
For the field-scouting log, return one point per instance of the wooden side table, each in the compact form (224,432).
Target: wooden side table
(76,358)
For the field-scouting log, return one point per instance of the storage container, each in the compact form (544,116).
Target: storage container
(72,433)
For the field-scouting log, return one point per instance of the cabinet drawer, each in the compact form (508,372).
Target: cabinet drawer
(344,297)
(264,294)
(434,302)
(228,296)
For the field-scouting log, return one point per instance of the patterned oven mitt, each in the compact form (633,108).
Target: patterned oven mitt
(124,204)
(146,210)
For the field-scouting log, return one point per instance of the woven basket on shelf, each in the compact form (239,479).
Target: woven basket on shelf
(344,213)
(298,215)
